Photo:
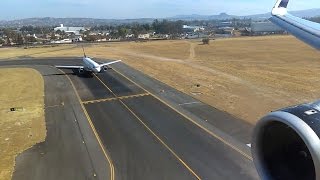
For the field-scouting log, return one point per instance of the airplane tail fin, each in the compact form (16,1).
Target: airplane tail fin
(282,3)
(280,8)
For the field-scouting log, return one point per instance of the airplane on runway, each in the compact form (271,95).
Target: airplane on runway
(286,143)
(89,65)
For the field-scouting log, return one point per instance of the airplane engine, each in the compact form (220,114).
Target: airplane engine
(81,71)
(286,143)
(105,68)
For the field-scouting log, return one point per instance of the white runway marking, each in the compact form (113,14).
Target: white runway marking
(189,103)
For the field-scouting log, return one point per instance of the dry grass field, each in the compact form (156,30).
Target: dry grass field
(24,90)
(247,77)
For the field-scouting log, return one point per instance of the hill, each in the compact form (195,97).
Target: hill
(223,16)
(49,21)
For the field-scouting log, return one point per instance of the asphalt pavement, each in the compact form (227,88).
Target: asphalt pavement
(147,129)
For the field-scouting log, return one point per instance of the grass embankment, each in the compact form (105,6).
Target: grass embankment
(23,89)
(247,77)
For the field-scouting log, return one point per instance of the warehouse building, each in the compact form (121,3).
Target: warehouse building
(265,27)
(75,30)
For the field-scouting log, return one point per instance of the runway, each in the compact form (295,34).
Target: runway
(147,130)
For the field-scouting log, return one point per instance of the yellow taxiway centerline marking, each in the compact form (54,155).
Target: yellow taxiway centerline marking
(115,98)
(153,133)
(93,128)
(188,118)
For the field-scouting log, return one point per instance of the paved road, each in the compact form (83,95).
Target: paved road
(151,131)
(70,150)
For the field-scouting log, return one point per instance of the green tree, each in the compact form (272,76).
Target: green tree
(9,33)
(91,38)
(59,32)
(139,29)
(168,27)
(19,39)
(81,31)
(63,35)
(206,41)
(31,39)
(2,41)
(314,19)
(122,32)
(53,36)
(8,40)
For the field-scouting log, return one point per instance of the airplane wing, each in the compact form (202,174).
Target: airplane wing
(109,63)
(69,67)
(306,31)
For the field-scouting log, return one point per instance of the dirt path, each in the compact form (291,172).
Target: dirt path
(242,91)
(192,51)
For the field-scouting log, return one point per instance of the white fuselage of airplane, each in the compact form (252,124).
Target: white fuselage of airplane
(90,65)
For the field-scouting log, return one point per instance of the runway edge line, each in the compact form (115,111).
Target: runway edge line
(112,176)
(191,120)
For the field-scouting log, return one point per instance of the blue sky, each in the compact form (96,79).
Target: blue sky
(16,9)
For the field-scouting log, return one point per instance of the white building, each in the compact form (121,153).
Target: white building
(193,28)
(129,35)
(75,30)
(77,39)
(144,36)
(64,41)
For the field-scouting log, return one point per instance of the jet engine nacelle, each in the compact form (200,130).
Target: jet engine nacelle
(81,71)
(286,143)
(105,68)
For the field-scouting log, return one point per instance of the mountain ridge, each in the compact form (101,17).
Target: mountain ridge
(301,13)
(51,21)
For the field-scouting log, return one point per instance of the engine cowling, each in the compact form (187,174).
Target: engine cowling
(81,71)
(104,69)
(286,143)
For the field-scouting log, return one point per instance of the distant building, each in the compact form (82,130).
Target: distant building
(193,28)
(230,29)
(265,27)
(77,39)
(102,40)
(130,36)
(144,36)
(75,30)
(62,41)
(196,36)
(223,24)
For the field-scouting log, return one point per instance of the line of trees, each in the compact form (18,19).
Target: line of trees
(160,27)
(168,27)
(121,31)
(18,38)
(36,30)
(315,19)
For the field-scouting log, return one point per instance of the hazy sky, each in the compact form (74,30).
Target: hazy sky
(16,9)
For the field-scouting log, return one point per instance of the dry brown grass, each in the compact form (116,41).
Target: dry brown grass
(247,77)
(24,89)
